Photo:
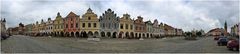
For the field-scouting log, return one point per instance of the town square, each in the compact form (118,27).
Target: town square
(109,26)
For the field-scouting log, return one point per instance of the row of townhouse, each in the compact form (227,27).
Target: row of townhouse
(107,25)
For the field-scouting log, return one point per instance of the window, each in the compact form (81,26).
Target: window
(76,25)
(83,25)
(140,28)
(89,24)
(66,25)
(71,25)
(135,27)
(115,26)
(131,27)
(58,26)
(89,18)
(121,26)
(61,26)
(126,26)
(95,25)
(103,25)
(109,25)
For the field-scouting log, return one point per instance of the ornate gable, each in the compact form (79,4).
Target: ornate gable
(71,14)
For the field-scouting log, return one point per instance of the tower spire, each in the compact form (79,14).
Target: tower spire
(58,14)
(4,20)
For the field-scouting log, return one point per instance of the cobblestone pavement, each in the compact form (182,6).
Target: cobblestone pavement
(27,44)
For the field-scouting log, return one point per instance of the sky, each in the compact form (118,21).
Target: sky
(183,14)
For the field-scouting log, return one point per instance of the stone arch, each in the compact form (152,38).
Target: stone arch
(157,35)
(131,35)
(72,34)
(148,35)
(51,34)
(139,35)
(45,34)
(120,34)
(66,34)
(143,35)
(114,35)
(96,34)
(102,34)
(108,34)
(127,35)
(59,34)
(90,34)
(151,35)
(55,33)
(77,34)
(62,34)
(48,33)
(84,34)
(136,35)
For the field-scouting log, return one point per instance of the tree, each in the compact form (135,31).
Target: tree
(199,33)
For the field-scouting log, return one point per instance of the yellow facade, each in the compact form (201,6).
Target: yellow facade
(58,26)
(126,26)
(42,28)
(90,24)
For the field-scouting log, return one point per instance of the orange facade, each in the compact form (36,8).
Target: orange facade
(139,25)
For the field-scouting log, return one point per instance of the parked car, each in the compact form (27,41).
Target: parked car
(222,41)
(233,44)
(217,37)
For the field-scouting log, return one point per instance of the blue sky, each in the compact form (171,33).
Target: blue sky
(188,15)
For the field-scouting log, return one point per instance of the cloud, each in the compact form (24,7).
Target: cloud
(183,14)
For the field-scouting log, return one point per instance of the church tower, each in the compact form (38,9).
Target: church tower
(225,28)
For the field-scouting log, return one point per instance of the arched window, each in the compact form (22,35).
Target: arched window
(121,26)
(89,24)
(66,25)
(126,26)
(83,25)
(71,25)
(89,18)
(94,25)
(76,25)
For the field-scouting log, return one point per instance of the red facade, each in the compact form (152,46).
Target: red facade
(71,24)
